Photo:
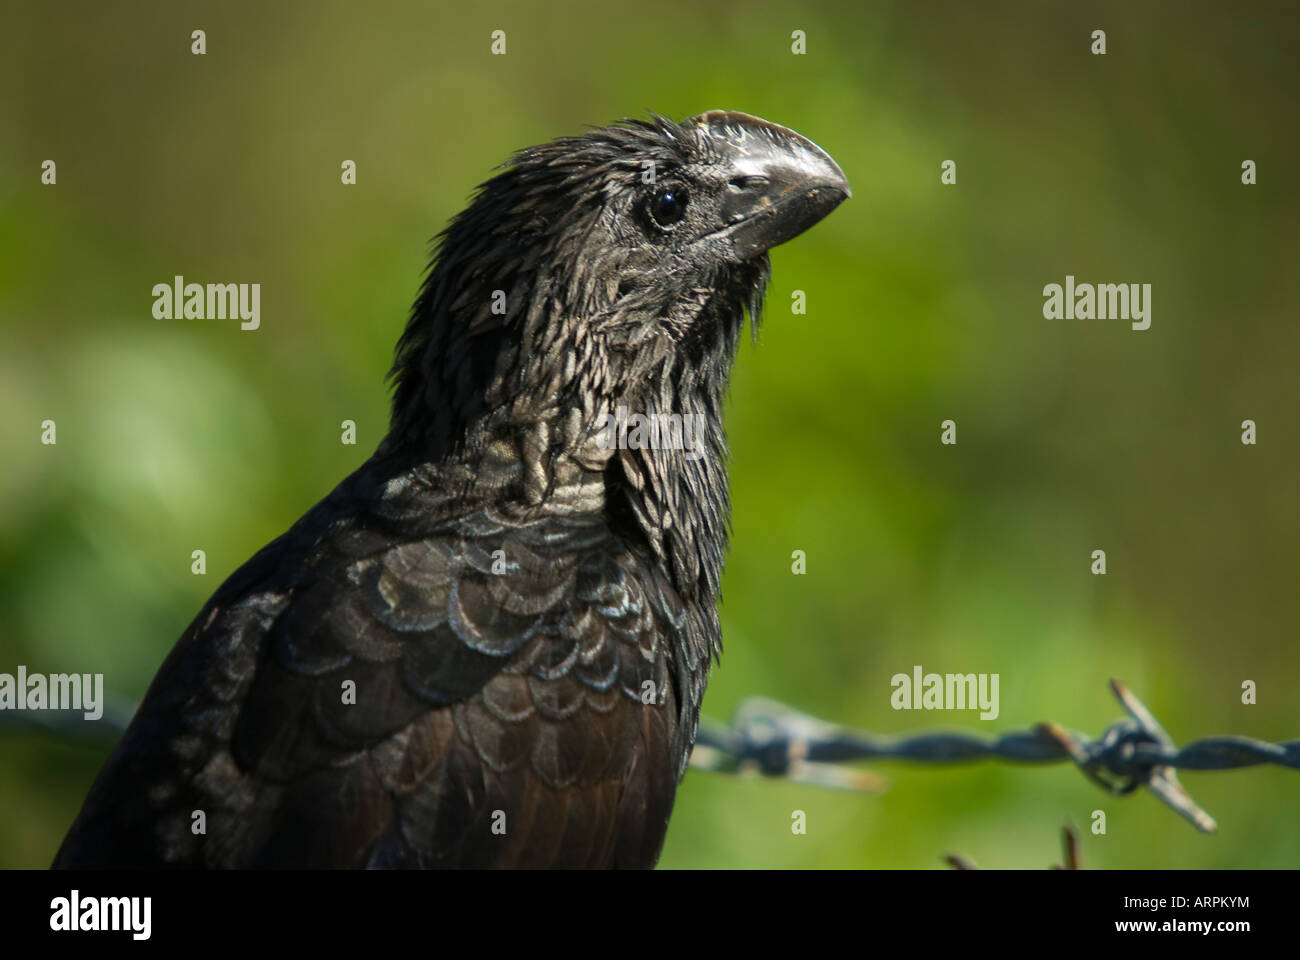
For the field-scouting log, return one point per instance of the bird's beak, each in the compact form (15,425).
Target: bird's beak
(780,183)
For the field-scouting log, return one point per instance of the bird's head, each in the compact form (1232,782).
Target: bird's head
(599,269)
(598,279)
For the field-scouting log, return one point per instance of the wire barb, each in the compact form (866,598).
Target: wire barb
(771,739)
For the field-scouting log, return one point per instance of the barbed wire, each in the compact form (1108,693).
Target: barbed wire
(1072,855)
(72,724)
(771,739)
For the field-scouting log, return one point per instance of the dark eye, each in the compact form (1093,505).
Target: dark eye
(668,205)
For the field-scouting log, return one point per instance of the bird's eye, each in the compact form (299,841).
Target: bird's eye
(668,205)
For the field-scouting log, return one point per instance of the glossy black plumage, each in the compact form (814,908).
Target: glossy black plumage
(525,617)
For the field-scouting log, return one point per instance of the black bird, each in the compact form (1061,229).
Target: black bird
(488,645)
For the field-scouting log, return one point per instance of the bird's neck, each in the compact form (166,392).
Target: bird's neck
(552,437)
(654,467)
(666,486)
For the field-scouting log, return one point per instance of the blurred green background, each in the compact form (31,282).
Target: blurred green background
(924,303)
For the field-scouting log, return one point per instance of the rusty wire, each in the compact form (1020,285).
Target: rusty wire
(771,739)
